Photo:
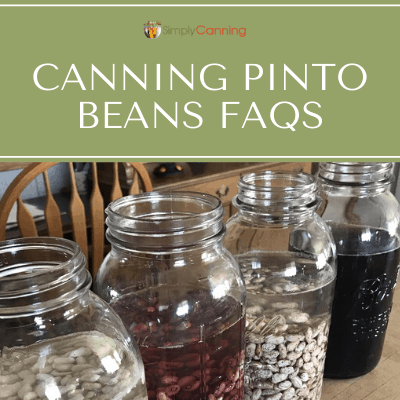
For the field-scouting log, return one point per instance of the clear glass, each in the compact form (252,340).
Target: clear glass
(179,292)
(364,219)
(58,340)
(287,257)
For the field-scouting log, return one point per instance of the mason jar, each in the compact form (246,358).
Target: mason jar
(364,219)
(58,340)
(179,292)
(287,257)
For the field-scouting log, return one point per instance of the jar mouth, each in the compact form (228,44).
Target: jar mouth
(16,272)
(356,172)
(157,219)
(277,189)
(40,272)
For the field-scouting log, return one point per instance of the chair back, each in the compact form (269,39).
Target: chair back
(78,215)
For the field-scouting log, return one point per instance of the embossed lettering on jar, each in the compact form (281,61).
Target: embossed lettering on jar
(179,293)
(59,340)
(364,218)
(287,257)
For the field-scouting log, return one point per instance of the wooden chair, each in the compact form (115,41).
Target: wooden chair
(77,213)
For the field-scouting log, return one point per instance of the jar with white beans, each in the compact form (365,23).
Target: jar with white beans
(287,257)
(58,340)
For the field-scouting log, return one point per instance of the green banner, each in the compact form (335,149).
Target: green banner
(199,82)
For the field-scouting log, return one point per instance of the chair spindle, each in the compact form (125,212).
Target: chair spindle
(77,213)
(25,221)
(116,191)
(97,222)
(51,211)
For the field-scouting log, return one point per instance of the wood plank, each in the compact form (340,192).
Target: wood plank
(116,191)
(77,214)
(178,184)
(97,223)
(11,166)
(227,210)
(225,189)
(25,220)
(51,211)
(134,189)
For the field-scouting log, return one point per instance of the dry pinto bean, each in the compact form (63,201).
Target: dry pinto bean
(282,351)
(283,363)
(291,346)
(276,396)
(275,340)
(268,347)
(284,385)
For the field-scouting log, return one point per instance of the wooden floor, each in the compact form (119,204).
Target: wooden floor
(383,383)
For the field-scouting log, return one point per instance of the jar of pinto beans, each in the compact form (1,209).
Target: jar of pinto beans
(179,293)
(287,256)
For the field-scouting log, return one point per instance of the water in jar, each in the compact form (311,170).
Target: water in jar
(289,298)
(190,339)
(79,366)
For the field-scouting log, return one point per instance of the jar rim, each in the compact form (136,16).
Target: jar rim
(39,274)
(32,242)
(291,182)
(277,196)
(164,219)
(123,202)
(356,172)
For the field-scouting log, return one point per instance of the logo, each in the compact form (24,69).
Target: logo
(203,30)
(152,30)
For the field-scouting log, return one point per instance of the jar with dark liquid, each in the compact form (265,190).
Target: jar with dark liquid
(179,292)
(364,219)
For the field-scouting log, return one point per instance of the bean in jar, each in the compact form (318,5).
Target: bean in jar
(286,329)
(287,257)
(59,341)
(78,366)
(179,363)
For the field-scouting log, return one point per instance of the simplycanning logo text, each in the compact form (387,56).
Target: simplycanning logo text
(203,30)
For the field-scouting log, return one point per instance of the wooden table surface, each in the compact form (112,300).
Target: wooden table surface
(383,383)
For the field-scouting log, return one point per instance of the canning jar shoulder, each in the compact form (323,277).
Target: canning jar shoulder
(379,210)
(310,235)
(133,271)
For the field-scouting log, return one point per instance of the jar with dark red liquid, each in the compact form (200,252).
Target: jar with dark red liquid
(364,219)
(179,292)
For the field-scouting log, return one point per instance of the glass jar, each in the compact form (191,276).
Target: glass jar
(58,340)
(179,292)
(364,219)
(287,257)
